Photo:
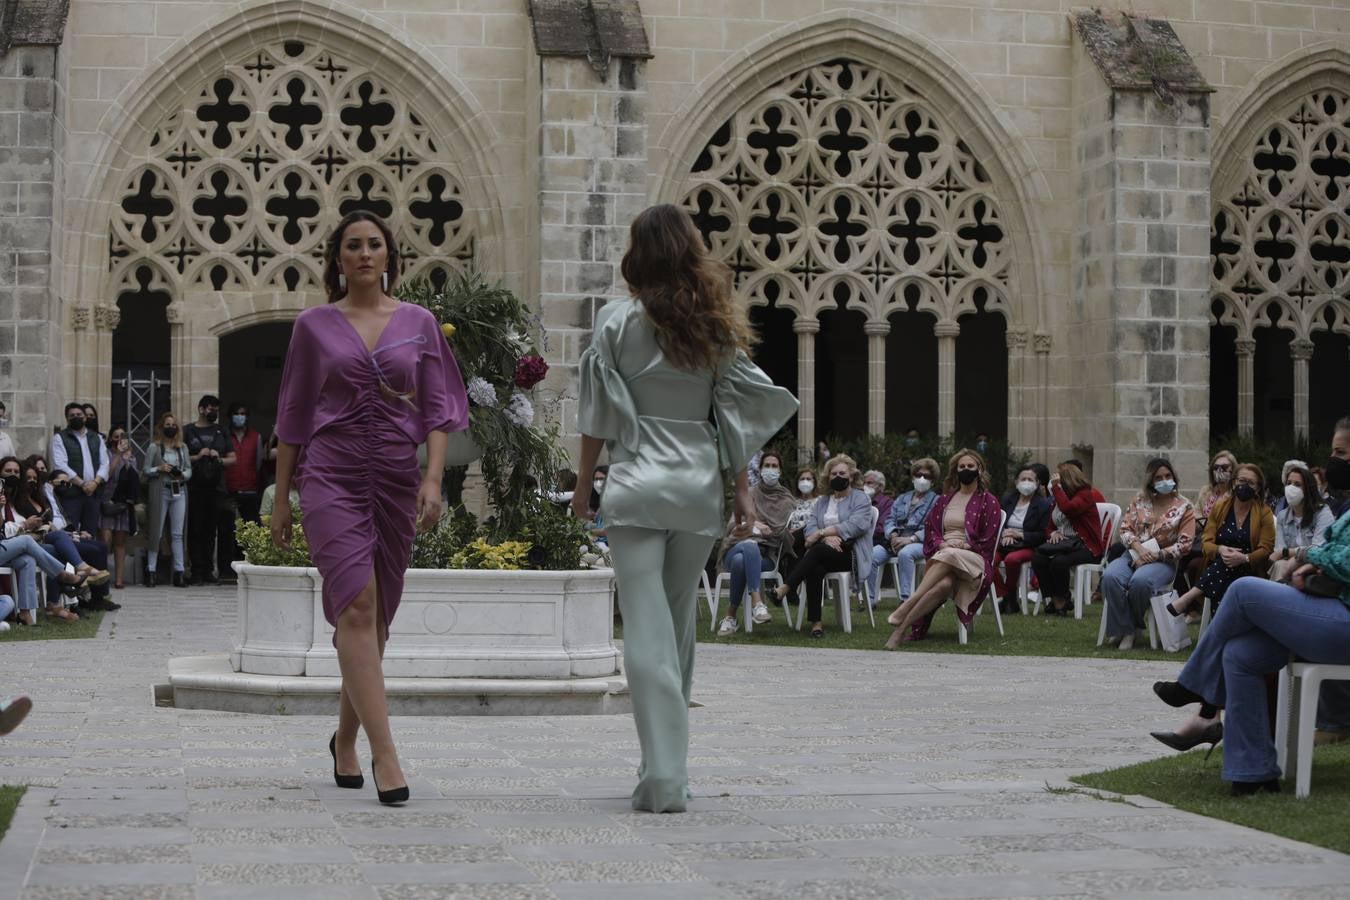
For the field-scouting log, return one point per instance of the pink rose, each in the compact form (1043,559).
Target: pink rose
(530,370)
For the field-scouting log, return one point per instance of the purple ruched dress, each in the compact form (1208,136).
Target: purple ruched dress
(359,417)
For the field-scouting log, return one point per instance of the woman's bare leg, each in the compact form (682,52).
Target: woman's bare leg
(919,605)
(1183,603)
(359,650)
(933,573)
(120,555)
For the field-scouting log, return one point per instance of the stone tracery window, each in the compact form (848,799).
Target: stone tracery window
(1280,241)
(241,183)
(840,185)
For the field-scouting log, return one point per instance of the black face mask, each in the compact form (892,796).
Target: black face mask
(967,476)
(11,483)
(1337,473)
(1244,492)
(75,422)
(91,424)
(212,416)
(838,483)
(171,431)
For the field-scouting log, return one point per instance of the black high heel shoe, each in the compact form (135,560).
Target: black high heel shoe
(354,782)
(1212,735)
(1247,788)
(71,589)
(392,797)
(1174,694)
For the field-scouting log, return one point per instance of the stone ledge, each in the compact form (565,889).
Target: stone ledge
(208,682)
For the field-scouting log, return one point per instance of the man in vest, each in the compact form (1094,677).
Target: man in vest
(80,453)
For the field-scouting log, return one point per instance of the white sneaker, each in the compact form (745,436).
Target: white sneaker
(727,627)
(1127,642)
(4,626)
(760,614)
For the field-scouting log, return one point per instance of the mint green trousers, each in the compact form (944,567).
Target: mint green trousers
(657,574)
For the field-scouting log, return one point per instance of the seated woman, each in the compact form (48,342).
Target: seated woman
(747,559)
(1239,538)
(21,553)
(805,500)
(874,486)
(80,549)
(595,524)
(903,530)
(1028,511)
(1158,529)
(1076,537)
(1260,625)
(959,542)
(1221,469)
(837,539)
(1300,524)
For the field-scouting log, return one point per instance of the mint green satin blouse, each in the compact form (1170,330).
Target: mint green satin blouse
(666,452)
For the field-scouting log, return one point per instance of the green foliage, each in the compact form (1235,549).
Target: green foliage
(1271,455)
(890,455)
(435,547)
(479,554)
(256,541)
(555,538)
(10,795)
(491,330)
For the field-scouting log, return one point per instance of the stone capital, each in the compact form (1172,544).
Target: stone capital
(79,316)
(173,314)
(1301,349)
(1017,339)
(1043,341)
(106,317)
(806,325)
(1245,346)
(877,329)
(948,329)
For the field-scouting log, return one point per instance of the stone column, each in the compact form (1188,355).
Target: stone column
(30,374)
(1042,344)
(806,327)
(1246,385)
(1020,413)
(1301,350)
(1141,270)
(876,375)
(946,333)
(98,374)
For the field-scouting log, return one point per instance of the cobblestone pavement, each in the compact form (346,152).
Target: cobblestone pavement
(818,773)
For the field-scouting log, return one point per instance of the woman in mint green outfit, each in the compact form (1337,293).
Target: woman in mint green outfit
(658,364)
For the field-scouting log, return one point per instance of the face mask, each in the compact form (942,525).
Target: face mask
(1221,477)
(1244,492)
(1164,486)
(922,484)
(171,431)
(806,486)
(1337,472)
(982,446)
(967,476)
(770,476)
(75,422)
(212,416)
(911,442)
(4,423)
(238,421)
(11,483)
(838,483)
(1293,494)
(869,490)
(1026,488)
(599,485)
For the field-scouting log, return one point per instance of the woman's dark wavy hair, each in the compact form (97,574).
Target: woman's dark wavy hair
(330,255)
(685,292)
(1312,500)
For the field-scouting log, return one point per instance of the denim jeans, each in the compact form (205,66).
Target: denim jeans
(1258,625)
(1126,592)
(25,556)
(745,563)
(6,606)
(174,507)
(907,557)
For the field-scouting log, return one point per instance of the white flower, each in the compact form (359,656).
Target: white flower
(482,393)
(520,411)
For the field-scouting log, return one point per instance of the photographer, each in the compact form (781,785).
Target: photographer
(210,509)
(119,500)
(168,465)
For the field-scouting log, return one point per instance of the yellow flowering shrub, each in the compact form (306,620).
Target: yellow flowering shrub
(479,554)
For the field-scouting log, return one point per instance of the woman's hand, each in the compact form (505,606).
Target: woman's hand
(1301,573)
(835,541)
(165,468)
(812,538)
(957,544)
(1232,557)
(32,523)
(429,505)
(1055,537)
(1145,557)
(1008,540)
(281,525)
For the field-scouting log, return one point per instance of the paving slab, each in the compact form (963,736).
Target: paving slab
(847,775)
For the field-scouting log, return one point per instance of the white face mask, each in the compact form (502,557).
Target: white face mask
(599,485)
(770,476)
(4,422)
(1293,494)
(869,490)
(1222,477)
(922,485)
(806,486)
(1026,488)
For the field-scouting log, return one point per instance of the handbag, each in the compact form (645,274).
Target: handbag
(1067,544)
(1172,633)
(111,508)
(1320,584)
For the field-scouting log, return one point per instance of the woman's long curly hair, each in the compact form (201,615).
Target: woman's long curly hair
(685,292)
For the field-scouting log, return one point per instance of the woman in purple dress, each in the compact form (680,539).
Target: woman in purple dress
(367,380)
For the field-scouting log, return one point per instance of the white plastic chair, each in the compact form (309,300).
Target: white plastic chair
(1306,679)
(962,635)
(841,582)
(1149,624)
(715,595)
(1083,572)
